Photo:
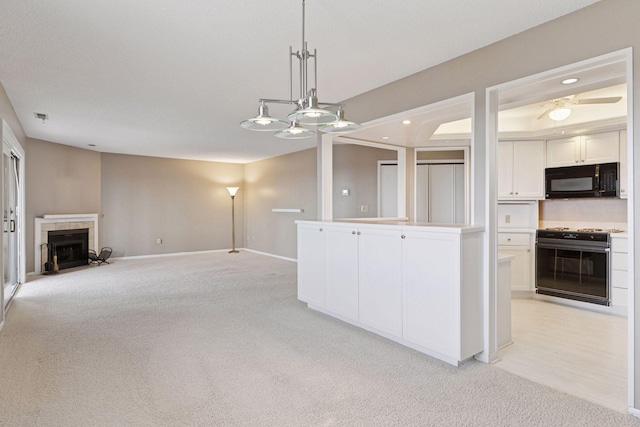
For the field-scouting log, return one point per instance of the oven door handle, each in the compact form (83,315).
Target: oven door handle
(573,248)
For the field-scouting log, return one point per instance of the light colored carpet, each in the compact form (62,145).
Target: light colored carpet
(219,339)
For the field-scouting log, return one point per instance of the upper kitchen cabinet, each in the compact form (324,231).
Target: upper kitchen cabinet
(521,170)
(584,149)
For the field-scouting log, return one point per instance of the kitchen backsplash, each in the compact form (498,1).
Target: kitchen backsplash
(600,213)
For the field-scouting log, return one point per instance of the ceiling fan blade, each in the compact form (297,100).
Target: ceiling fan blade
(608,100)
(545,113)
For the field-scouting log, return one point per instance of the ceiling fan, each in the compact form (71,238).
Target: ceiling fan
(558,109)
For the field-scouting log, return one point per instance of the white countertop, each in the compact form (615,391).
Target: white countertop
(423,226)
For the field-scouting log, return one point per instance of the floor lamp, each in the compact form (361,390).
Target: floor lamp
(232,192)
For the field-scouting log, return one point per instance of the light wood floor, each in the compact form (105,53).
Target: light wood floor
(579,352)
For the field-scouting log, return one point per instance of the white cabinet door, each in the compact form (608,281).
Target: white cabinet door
(505,169)
(528,169)
(600,148)
(520,267)
(311,264)
(622,179)
(586,149)
(563,152)
(431,291)
(341,280)
(380,277)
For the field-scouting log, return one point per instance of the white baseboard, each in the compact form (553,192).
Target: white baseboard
(271,255)
(1,325)
(633,411)
(172,254)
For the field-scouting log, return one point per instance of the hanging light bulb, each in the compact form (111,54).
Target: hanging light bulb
(341,125)
(295,131)
(264,122)
(311,114)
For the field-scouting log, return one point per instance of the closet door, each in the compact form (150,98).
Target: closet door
(10,223)
(441,193)
(422,193)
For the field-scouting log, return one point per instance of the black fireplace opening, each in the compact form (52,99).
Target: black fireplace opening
(70,246)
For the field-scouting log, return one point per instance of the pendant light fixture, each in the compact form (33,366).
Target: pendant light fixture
(308,110)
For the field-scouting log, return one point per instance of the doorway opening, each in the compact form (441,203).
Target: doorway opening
(541,94)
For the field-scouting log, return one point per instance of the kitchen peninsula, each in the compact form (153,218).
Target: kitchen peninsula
(418,284)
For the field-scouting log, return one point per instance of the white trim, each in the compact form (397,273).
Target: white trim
(296,210)
(633,411)
(271,255)
(212,251)
(62,218)
(1,325)
(125,258)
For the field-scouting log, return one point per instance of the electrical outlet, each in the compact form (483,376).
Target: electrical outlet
(364,208)
(507,219)
(158,241)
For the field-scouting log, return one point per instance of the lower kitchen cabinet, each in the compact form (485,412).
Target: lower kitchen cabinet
(418,287)
(380,279)
(521,246)
(341,271)
(432,291)
(619,277)
(311,254)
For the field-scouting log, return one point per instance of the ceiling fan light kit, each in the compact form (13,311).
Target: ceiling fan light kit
(309,111)
(559,114)
(559,108)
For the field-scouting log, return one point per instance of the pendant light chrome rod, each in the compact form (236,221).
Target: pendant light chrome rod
(315,69)
(290,73)
(295,101)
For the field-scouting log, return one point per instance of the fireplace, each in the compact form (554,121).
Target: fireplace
(71,247)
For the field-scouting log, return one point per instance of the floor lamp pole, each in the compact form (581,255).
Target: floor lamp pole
(233,226)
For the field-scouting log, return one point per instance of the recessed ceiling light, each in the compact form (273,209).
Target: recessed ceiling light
(385,137)
(406,122)
(570,81)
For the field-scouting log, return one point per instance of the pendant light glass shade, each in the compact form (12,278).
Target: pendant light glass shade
(264,122)
(559,114)
(295,131)
(311,114)
(341,125)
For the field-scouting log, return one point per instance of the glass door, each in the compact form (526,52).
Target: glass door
(10,224)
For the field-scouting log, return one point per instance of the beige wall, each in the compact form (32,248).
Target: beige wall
(281,182)
(59,180)
(355,167)
(183,202)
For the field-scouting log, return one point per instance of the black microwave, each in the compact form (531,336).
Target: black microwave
(600,180)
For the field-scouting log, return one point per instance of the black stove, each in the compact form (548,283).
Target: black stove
(574,264)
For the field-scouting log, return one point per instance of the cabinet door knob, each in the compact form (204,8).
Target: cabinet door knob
(511,192)
(358,233)
(622,190)
(403,236)
(353,232)
(509,239)
(577,161)
(517,192)
(321,229)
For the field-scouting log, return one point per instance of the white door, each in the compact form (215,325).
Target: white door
(380,277)
(311,264)
(440,193)
(341,285)
(388,190)
(431,291)
(10,225)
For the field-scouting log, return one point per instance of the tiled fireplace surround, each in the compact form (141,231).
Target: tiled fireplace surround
(62,222)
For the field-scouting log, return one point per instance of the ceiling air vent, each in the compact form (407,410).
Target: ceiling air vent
(42,116)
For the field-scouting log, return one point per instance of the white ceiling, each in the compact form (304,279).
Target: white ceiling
(174,79)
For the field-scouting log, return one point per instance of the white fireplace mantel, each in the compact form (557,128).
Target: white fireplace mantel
(47,223)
